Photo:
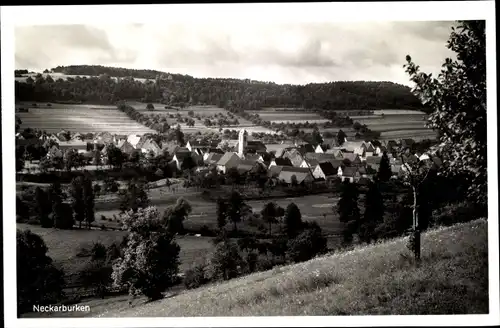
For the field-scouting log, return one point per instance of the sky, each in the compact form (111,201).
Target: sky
(296,53)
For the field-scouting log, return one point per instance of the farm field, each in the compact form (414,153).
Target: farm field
(79,118)
(419,134)
(208,111)
(291,116)
(64,245)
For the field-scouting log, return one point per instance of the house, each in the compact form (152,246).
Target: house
(54,151)
(337,153)
(78,137)
(180,156)
(309,163)
(410,159)
(390,145)
(351,159)
(245,166)
(379,150)
(295,156)
(278,149)
(79,146)
(125,147)
(280,162)
(306,148)
(426,157)
(353,147)
(170,148)
(254,157)
(227,161)
(212,158)
(320,157)
(254,146)
(228,144)
(320,149)
(351,173)
(104,137)
(407,143)
(19,136)
(151,146)
(201,146)
(119,137)
(134,139)
(212,151)
(373,160)
(325,171)
(286,174)
(396,169)
(369,149)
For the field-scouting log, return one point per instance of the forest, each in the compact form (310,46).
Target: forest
(180,90)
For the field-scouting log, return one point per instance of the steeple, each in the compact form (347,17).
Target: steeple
(242,142)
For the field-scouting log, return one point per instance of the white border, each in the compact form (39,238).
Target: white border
(253,13)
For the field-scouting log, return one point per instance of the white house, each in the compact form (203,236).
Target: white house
(227,161)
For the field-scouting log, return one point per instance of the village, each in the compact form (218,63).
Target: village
(290,162)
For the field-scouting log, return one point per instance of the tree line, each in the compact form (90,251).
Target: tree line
(182,89)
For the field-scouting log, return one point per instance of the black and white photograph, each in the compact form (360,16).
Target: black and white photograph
(307,164)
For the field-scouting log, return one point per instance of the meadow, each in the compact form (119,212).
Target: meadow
(380,279)
(288,116)
(79,118)
(201,111)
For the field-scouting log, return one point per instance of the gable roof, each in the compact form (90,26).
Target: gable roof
(336,152)
(351,157)
(352,145)
(327,168)
(373,159)
(306,148)
(182,155)
(227,157)
(282,161)
(321,157)
(349,171)
(287,172)
(213,158)
(150,144)
(278,148)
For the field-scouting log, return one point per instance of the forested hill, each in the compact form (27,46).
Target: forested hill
(184,89)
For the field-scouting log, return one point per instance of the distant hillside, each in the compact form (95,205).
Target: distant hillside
(245,94)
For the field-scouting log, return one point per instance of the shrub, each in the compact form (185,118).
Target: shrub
(150,261)
(307,245)
(195,277)
(96,275)
(226,260)
(38,280)
(456,213)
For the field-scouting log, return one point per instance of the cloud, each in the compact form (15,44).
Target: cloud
(284,53)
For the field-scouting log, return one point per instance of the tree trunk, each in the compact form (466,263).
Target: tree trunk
(416,227)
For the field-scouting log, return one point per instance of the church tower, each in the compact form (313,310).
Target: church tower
(242,142)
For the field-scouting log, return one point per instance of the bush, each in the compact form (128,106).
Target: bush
(456,213)
(38,280)
(307,244)
(226,260)
(96,275)
(195,277)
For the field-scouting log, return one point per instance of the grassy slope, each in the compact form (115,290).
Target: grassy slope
(379,279)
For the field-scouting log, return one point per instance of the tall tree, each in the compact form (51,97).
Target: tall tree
(341,137)
(293,220)
(457,98)
(269,214)
(150,262)
(88,200)
(235,208)
(373,215)
(134,197)
(43,207)
(348,210)
(175,215)
(77,200)
(221,213)
(38,280)
(384,171)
